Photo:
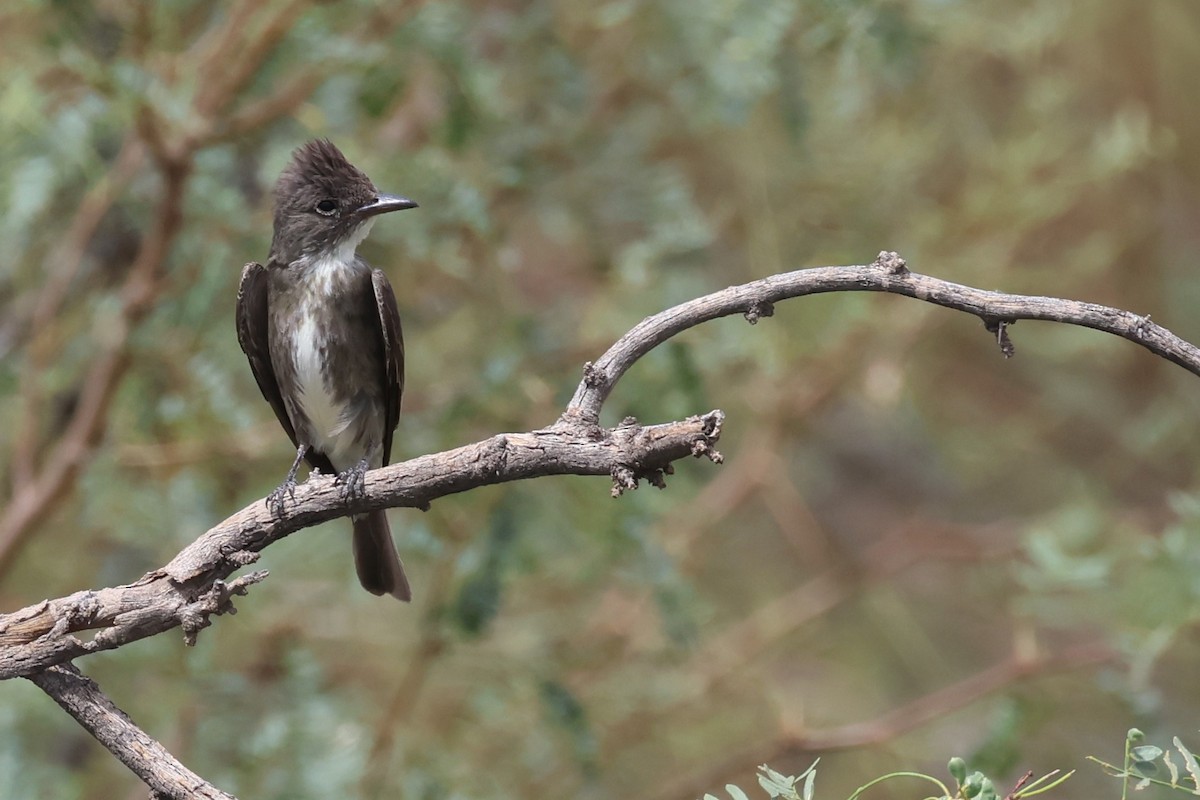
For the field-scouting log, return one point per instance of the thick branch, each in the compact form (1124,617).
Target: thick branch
(887,274)
(80,697)
(187,591)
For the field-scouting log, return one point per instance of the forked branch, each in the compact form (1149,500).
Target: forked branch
(191,588)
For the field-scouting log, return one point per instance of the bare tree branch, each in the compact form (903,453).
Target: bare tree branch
(80,697)
(888,273)
(187,591)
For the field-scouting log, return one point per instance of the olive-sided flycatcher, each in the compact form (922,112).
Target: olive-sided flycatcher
(322,333)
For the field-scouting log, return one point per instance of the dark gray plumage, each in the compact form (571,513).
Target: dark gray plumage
(321,330)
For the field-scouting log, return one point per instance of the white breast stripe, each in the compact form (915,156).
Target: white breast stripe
(333,424)
(324,414)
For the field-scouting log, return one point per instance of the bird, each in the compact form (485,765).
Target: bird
(321,330)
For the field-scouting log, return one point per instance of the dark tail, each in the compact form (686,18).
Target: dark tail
(375,557)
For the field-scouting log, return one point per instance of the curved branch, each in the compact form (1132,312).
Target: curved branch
(888,273)
(191,589)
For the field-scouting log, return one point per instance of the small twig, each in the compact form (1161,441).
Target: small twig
(1020,784)
(999,328)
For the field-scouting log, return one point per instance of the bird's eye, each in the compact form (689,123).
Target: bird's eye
(326,207)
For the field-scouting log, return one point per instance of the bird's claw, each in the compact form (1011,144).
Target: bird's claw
(278,499)
(353,482)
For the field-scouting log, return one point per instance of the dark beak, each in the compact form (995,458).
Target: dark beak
(385,203)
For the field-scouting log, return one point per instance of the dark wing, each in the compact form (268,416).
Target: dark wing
(393,356)
(252,336)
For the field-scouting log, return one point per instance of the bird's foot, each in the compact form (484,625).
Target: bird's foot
(353,481)
(278,499)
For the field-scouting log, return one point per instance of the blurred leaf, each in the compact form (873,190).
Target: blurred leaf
(565,710)
(1146,752)
(1189,763)
(479,596)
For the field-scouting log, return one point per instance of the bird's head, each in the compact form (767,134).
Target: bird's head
(325,204)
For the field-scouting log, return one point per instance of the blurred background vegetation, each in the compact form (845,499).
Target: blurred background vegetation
(914,549)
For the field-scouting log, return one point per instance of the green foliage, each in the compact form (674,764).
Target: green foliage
(1142,765)
(776,784)
(478,599)
(973,786)
(37,750)
(565,710)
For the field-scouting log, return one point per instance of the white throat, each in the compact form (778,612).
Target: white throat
(325,267)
